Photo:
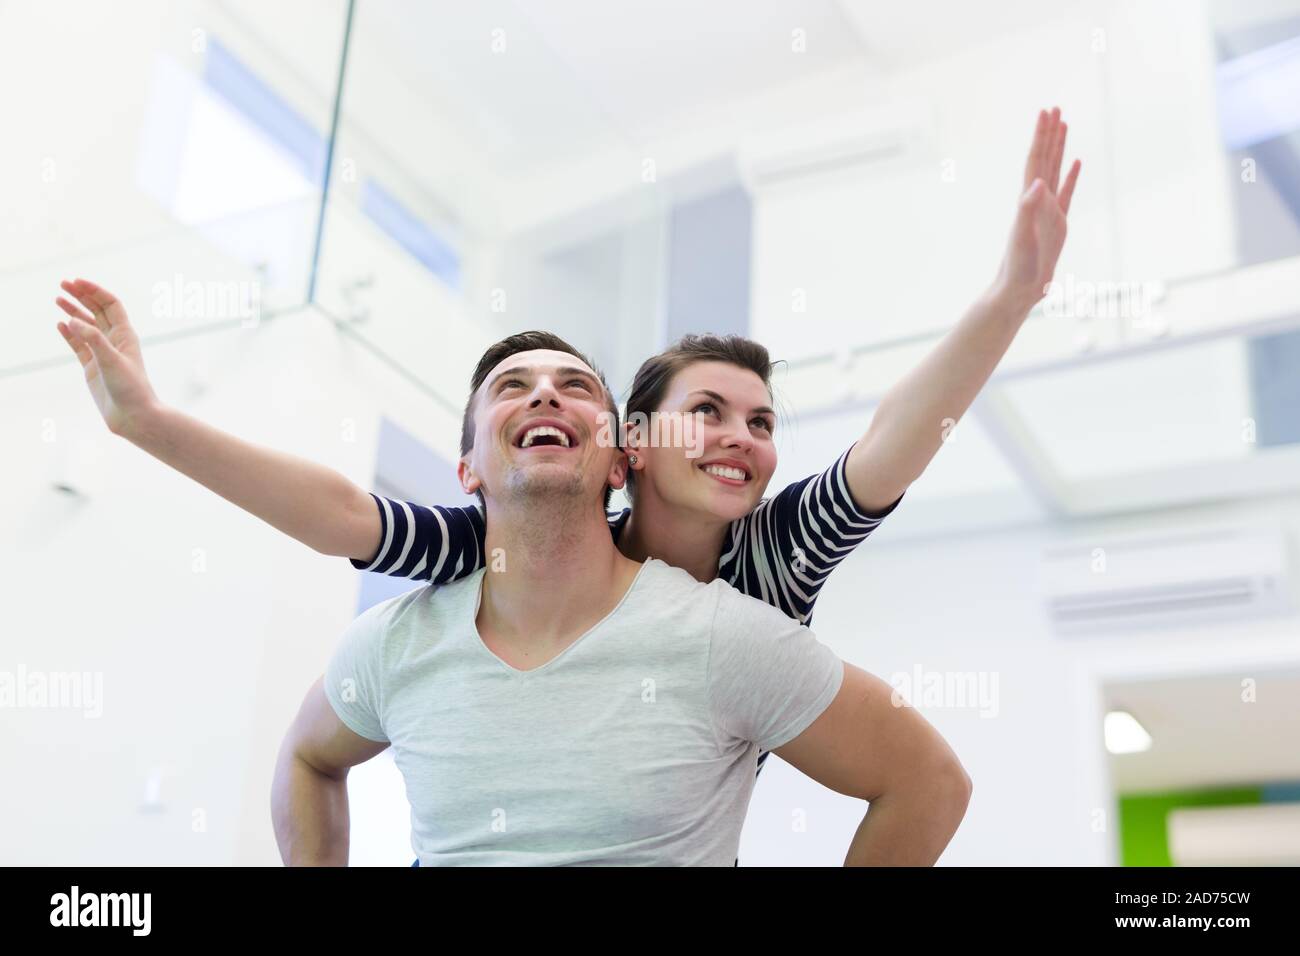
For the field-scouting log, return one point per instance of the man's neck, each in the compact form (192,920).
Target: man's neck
(552,571)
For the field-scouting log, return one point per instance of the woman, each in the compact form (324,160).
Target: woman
(705,514)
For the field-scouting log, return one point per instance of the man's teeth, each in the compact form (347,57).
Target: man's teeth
(722,471)
(533,434)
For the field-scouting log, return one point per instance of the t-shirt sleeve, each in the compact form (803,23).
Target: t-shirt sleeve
(437,544)
(352,678)
(784,550)
(769,678)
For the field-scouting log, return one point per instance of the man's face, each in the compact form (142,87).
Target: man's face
(541,431)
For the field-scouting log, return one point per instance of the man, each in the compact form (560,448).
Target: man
(567,705)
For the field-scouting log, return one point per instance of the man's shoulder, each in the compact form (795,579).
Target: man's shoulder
(664,577)
(738,609)
(419,604)
(672,588)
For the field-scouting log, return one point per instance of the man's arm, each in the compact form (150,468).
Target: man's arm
(309,795)
(916,415)
(316,505)
(864,746)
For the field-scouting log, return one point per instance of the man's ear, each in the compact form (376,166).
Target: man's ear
(469,482)
(618,471)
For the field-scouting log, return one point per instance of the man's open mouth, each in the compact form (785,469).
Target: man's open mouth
(545,434)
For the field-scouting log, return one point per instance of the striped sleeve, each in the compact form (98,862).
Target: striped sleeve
(783,551)
(435,544)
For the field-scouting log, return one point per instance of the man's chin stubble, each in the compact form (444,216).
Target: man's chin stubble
(560,490)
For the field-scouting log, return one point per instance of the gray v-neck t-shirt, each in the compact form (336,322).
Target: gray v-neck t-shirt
(636,745)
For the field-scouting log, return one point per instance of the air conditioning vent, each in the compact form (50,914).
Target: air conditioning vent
(1156,580)
(854,142)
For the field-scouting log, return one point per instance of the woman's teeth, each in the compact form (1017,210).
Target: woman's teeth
(722,471)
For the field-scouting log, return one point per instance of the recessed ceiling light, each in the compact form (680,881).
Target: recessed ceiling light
(1124,735)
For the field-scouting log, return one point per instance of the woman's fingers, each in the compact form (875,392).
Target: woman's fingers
(89,335)
(108,311)
(72,310)
(113,310)
(1049,153)
(1067,191)
(1045,153)
(1058,152)
(79,292)
(79,348)
(1035,149)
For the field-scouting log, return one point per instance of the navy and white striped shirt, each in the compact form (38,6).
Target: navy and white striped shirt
(781,552)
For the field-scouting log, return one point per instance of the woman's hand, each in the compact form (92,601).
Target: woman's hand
(109,351)
(316,505)
(1039,231)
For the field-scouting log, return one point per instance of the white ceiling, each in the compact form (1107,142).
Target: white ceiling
(1203,733)
(515,105)
(574,74)
(705,53)
(1087,419)
(902,35)
(590,57)
(533,82)
(1242,14)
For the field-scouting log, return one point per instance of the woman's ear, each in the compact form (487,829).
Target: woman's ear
(633,437)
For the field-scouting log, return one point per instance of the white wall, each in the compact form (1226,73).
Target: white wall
(904,250)
(202,672)
(972,604)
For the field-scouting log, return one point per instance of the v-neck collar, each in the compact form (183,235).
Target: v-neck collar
(478,638)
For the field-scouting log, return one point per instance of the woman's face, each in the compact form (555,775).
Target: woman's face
(723,467)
